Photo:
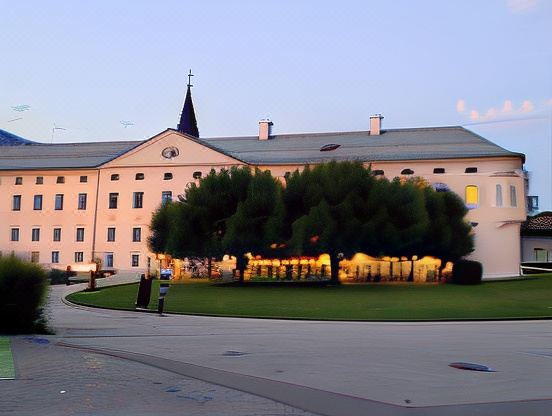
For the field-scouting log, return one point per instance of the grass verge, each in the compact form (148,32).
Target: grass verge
(527,298)
(7,370)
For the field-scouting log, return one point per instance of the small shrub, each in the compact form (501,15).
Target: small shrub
(58,277)
(23,288)
(467,272)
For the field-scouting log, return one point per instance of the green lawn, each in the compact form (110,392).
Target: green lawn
(6,360)
(528,298)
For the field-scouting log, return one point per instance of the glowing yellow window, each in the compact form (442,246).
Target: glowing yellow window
(472,196)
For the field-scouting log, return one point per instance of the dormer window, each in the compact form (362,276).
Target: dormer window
(471,170)
(139,176)
(407,172)
(438,170)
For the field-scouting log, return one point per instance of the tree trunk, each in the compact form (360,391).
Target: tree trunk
(241,263)
(411,275)
(334,266)
(209,267)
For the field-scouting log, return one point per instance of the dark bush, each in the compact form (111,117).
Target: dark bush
(467,272)
(58,277)
(23,288)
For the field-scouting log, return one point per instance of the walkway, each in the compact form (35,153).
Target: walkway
(97,357)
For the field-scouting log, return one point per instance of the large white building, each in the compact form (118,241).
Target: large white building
(66,204)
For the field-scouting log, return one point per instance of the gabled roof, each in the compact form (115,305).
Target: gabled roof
(393,144)
(10,139)
(538,225)
(284,149)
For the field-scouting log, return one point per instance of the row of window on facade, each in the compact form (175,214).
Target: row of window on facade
(436,171)
(137,200)
(39,180)
(472,196)
(79,234)
(79,258)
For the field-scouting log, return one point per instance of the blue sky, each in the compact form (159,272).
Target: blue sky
(308,65)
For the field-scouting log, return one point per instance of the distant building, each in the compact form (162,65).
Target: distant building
(66,204)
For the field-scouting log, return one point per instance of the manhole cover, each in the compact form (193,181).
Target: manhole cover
(472,367)
(233,353)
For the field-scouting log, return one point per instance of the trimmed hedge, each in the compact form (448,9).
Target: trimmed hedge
(23,289)
(58,277)
(467,272)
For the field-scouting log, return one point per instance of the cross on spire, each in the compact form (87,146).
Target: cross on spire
(190,75)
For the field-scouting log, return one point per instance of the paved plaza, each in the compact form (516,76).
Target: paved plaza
(102,362)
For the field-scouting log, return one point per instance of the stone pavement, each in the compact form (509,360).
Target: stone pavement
(328,368)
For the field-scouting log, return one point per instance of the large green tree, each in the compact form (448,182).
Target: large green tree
(257,222)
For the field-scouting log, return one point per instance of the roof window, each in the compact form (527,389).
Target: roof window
(407,172)
(439,170)
(471,170)
(329,147)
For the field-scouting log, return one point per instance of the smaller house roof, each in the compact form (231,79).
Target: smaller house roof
(538,225)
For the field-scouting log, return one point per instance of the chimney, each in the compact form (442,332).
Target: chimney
(265,129)
(375,124)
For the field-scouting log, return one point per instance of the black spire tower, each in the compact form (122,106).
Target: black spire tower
(188,122)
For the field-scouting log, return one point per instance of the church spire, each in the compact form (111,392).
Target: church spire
(188,122)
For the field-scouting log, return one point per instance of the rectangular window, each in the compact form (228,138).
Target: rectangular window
(513,196)
(16,205)
(113,197)
(136,234)
(35,234)
(19,180)
(57,234)
(35,256)
(84,179)
(541,255)
(37,203)
(472,196)
(14,234)
(166,196)
(58,202)
(55,256)
(137,200)
(79,256)
(498,195)
(108,259)
(111,234)
(82,201)
(60,179)
(135,260)
(80,234)
(39,180)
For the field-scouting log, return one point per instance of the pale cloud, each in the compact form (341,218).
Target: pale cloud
(521,6)
(507,107)
(527,106)
(460,106)
(549,102)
